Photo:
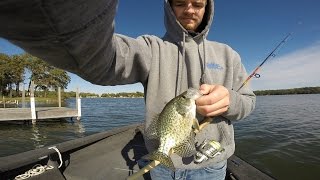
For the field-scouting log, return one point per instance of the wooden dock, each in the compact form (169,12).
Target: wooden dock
(9,114)
(36,113)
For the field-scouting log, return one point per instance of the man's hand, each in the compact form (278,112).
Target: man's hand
(215,100)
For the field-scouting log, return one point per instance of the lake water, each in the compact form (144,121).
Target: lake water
(281,137)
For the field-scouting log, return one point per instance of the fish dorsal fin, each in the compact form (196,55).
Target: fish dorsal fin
(187,147)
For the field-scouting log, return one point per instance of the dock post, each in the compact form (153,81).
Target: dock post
(23,105)
(4,102)
(59,96)
(78,104)
(32,104)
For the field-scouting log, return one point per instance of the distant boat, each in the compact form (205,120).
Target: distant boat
(107,155)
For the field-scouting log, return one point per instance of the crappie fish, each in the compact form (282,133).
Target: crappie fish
(173,129)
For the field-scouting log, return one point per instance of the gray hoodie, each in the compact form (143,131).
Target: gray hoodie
(170,65)
(80,38)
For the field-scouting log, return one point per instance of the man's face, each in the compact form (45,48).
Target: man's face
(189,12)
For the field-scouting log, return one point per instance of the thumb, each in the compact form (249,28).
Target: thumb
(205,88)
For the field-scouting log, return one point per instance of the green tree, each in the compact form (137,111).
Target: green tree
(17,66)
(45,76)
(11,73)
(3,72)
(58,78)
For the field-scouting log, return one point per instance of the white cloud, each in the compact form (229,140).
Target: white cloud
(294,70)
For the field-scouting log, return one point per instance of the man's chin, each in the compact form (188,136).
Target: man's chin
(189,27)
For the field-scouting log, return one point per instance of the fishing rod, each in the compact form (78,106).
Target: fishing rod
(272,54)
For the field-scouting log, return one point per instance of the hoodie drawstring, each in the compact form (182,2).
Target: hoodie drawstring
(181,66)
(203,75)
(180,70)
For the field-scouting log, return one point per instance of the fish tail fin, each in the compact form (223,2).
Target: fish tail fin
(162,158)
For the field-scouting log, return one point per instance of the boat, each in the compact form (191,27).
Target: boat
(110,155)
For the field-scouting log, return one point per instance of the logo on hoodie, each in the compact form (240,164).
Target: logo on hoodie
(214,66)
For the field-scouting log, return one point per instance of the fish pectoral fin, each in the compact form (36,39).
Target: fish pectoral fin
(186,148)
(205,122)
(195,126)
(171,151)
(162,158)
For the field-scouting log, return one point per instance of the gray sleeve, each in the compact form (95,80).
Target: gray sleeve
(77,36)
(132,61)
(242,102)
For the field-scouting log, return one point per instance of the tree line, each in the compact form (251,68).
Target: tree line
(123,94)
(303,90)
(14,68)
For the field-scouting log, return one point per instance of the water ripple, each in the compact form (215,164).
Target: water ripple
(283,131)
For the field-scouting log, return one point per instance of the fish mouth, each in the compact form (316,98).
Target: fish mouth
(193,93)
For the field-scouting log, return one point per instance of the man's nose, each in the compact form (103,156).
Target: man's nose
(190,9)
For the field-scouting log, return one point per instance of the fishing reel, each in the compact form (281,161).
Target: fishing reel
(208,149)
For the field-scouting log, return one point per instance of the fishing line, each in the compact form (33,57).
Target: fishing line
(272,54)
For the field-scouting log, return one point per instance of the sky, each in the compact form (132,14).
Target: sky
(251,27)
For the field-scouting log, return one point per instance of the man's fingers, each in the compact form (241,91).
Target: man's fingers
(213,96)
(218,112)
(214,109)
(215,100)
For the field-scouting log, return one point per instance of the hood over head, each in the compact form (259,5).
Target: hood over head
(175,30)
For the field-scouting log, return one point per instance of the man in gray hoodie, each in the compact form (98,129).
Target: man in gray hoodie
(79,37)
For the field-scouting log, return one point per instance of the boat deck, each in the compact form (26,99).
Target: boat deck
(107,155)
